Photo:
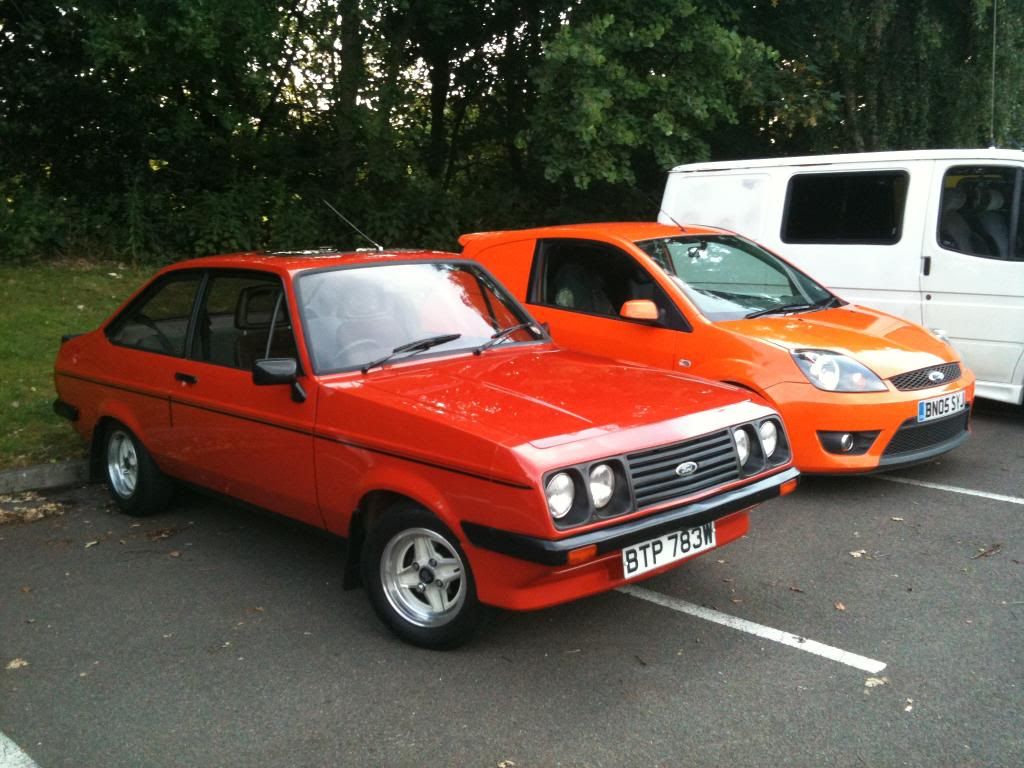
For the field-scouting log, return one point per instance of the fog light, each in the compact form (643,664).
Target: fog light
(846,442)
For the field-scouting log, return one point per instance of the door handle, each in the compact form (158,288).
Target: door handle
(186,378)
(926,266)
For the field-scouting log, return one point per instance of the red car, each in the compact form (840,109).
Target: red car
(406,402)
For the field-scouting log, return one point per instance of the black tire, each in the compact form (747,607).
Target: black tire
(401,535)
(135,482)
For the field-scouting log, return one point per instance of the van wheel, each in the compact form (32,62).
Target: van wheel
(135,482)
(418,578)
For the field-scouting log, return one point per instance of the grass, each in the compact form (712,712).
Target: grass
(39,304)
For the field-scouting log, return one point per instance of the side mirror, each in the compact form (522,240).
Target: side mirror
(274,370)
(639,309)
(279,370)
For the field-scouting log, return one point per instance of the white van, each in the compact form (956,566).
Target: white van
(936,236)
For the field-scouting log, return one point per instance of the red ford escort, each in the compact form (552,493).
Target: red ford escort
(406,402)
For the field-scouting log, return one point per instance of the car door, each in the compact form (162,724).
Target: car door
(148,342)
(972,270)
(579,287)
(251,442)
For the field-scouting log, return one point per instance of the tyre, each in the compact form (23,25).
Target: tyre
(135,482)
(418,578)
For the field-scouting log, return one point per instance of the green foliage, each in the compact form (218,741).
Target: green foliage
(159,129)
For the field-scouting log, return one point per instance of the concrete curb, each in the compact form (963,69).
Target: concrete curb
(44,476)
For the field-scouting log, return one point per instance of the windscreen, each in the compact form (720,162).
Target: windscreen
(354,316)
(728,277)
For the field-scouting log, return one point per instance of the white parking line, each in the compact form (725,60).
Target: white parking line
(11,755)
(951,489)
(776,635)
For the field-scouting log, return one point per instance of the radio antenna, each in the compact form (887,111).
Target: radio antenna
(992,117)
(341,216)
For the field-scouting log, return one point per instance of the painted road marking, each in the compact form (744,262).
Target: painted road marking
(951,489)
(11,755)
(776,635)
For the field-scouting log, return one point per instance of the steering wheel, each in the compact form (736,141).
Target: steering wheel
(365,348)
(166,345)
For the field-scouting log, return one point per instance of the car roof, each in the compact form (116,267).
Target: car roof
(623,230)
(299,261)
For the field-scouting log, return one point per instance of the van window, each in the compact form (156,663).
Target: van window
(980,213)
(596,279)
(848,208)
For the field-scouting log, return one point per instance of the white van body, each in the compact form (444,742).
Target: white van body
(935,236)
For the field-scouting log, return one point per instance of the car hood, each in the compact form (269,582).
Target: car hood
(544,397)
(886,344)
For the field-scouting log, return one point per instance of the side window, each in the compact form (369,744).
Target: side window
(980,212)
(596,279)
(845,208)
(234,323)
(158,320)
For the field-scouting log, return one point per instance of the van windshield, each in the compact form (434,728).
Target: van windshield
(728,277)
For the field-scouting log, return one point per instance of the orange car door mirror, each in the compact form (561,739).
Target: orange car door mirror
(639,309)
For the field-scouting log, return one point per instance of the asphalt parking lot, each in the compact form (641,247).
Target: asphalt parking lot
(214,636)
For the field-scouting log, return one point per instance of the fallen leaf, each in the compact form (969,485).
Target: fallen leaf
(796,589)
(174,553)
(840,606)
(506,764)
(909,705)
(91,544)
(983,552)
(858,553)
(17,664)
(735,600)
(26,589)
(896,519)
(874,682)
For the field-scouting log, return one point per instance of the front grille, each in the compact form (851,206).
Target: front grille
(919,379)
(654,476)
(912,436)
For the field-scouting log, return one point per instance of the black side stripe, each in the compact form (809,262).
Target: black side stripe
(118,387)
(300,431)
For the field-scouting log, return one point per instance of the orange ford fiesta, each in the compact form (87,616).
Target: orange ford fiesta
(860,390)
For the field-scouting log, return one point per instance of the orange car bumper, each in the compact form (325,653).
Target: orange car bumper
(884,424)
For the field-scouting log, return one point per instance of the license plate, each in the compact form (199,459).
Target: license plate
(670,548)
(940,407)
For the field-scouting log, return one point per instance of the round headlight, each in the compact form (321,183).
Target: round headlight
(769,437)
(560,492)
(826,371)
(602,484)
(742,444)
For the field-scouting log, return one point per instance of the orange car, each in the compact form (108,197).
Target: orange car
(860,390)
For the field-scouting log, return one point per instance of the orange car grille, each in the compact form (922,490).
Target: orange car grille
(919,379)
(654,473)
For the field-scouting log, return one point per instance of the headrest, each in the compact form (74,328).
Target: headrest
(990,200)
(255,308)
(362,300)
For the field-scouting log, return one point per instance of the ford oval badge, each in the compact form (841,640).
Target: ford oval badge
(686,468)
(936,376)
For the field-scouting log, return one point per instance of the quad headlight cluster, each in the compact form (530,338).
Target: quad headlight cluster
(602,489)
(760,445)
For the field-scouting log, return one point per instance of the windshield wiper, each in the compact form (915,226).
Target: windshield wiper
(831,301)
(504,333)
(420,345)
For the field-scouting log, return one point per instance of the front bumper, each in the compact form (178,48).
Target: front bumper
(555,552)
